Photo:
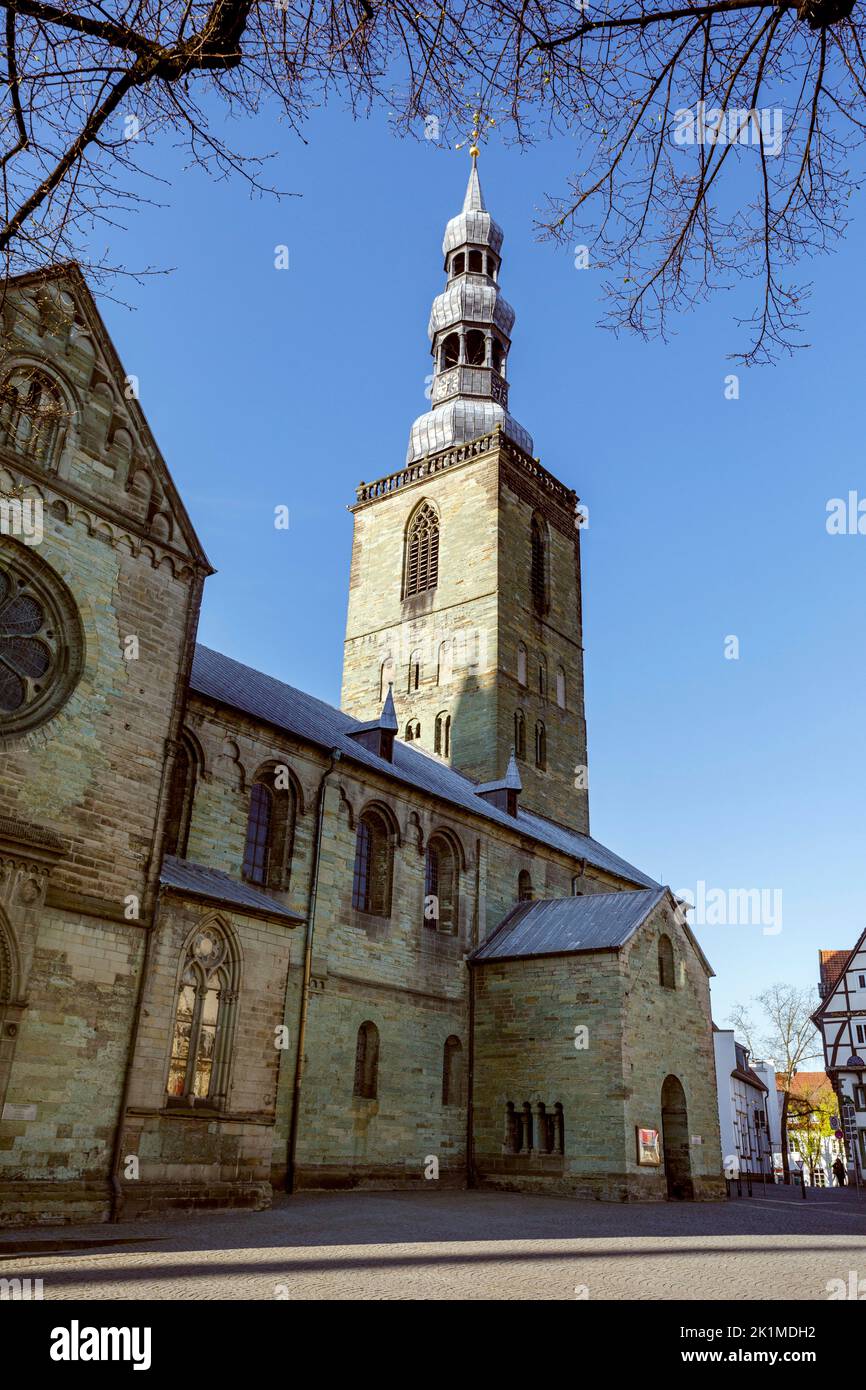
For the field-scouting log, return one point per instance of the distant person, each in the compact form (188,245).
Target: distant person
(840,1174)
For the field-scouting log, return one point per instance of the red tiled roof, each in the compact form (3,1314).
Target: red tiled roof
(832,964)
(805,1084)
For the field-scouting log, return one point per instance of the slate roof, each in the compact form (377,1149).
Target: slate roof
(229,682)
(749,1077)
(201,882)
(569,926)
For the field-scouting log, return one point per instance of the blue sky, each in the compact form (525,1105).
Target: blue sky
(707,516)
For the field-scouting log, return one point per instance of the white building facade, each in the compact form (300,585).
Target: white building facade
(841,1020)
(744,1114)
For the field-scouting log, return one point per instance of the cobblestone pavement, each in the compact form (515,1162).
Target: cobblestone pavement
(459,1245)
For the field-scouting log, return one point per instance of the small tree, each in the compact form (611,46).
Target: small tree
(809,1115)
(784,1032)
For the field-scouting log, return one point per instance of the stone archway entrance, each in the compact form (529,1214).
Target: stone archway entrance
(675,1138)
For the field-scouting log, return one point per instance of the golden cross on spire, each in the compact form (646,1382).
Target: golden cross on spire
(474,135)
(476,125)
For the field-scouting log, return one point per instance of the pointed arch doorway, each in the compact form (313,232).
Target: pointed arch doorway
(675,1139)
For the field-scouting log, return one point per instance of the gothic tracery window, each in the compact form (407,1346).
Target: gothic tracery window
(422,552)
(198,1070)
(32,416)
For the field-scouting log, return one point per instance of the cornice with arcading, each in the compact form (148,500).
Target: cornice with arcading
(454,457)
(100,521)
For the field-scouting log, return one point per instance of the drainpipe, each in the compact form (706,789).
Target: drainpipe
(470,1083)
(470,1066)
(308,966)
(150,903)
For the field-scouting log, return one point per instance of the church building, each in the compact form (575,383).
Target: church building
(252,943)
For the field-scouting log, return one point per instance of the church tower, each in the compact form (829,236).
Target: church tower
(465,582)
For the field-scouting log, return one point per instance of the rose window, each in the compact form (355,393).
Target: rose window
(40,643)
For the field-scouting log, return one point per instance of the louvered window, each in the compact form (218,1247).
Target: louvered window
(538,573)
(422,552)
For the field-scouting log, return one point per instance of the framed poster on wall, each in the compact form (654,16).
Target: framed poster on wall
(648,1151)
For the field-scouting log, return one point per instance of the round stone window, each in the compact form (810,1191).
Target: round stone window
(41,642)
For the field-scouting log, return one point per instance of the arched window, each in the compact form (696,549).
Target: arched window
(540,746)
(413,731)
(386,676)
(270,828)
(32,416)
(542,677)
(445,671)
(521,664)
(204,1015)
(453,1073)
(181,797)
(366,1085)
(524,887)
(441,885)
(258,842)
(371,882)
(576,889)
(422,552)
(414,673)
(449,354)
(538,569)
(497,355)
(560,687)
(666,963)
(457,263)
(476,348)
(519,734)
(476,262)
(442,735)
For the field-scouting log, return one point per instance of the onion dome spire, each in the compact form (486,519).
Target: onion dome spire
(470,336)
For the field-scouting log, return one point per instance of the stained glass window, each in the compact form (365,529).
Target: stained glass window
(199,1049)
(41,644)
